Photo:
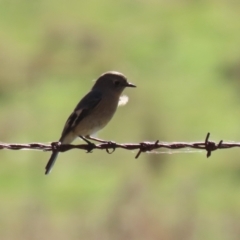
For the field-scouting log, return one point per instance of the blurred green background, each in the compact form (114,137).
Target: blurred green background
(184,56)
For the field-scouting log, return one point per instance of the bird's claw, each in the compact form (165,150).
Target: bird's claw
(91,145)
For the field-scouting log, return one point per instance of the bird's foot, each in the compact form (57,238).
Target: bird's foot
(111,144)
(91,145)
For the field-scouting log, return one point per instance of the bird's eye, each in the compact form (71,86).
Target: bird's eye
(116,83)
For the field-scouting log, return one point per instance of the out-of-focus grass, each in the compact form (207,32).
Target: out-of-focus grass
(183,56)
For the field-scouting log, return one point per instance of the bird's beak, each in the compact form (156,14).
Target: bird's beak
(130,85)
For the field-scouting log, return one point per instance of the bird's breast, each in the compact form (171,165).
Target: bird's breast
(98,118)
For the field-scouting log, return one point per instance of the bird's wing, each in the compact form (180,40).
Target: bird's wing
(83,109)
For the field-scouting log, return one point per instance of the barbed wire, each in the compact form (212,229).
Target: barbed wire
(110,146)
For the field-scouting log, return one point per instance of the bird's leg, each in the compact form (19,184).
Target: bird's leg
(85,140)
(100,140)
(110,143)
(90,144)
(96,139)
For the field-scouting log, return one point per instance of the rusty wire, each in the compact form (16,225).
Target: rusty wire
(110,147)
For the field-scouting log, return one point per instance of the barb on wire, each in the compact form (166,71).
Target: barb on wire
(110,146)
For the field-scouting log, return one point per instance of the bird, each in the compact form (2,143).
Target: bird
(93,112)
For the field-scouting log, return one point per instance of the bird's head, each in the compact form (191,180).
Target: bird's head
(112,81)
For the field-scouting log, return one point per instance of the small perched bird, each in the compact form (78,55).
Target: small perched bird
(94,110)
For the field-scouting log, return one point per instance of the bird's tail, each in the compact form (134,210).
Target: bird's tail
(51,162)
